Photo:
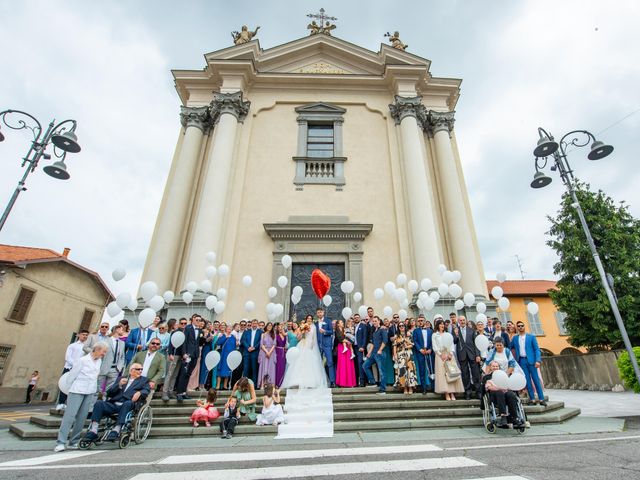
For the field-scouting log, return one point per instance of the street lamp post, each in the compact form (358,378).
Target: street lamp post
(63,137)
(548,147)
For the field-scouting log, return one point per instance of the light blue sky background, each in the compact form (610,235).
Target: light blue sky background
(561,65)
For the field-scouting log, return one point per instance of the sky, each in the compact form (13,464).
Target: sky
(560,65)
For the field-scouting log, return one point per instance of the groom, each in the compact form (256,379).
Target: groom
(325,343)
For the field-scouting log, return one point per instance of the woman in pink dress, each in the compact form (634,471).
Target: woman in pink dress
(345,371)
(267,356)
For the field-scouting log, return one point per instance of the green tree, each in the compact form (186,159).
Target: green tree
(590,322)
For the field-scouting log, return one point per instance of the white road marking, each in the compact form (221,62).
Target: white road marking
(554,442)
(287,455)
(56,457)
(316,470)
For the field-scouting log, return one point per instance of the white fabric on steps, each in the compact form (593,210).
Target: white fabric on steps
(308,414)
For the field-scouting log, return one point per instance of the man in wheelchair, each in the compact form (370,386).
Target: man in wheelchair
(121,399)
(506,401)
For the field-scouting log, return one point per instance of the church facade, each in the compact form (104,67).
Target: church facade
(341,157)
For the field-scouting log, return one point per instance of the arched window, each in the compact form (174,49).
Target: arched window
(570,351)
(546,353)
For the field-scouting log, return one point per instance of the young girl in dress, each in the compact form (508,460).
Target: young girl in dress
(272,413)
(206,410)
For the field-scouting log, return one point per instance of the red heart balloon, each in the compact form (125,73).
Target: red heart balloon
(320,282)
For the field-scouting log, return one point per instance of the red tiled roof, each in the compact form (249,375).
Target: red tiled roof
(16,254)
(523,287)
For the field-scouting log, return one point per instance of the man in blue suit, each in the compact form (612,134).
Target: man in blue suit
(325,343)
(528,357)
(361,332)
(250,342)
(422,344)
(136,341)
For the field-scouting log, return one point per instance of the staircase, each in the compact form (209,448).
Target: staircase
(354,410)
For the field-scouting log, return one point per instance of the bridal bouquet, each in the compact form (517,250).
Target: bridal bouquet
(304,329)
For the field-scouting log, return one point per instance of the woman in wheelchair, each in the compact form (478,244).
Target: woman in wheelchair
(505,400)
(121,399)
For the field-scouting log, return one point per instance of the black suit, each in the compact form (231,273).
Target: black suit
(192,341)
(119,400)
(467,352)
(362,334)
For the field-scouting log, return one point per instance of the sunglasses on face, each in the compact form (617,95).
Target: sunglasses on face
(155,343)
(183,324)
(137,369)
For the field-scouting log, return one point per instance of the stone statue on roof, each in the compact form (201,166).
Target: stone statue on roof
(244,35)
(313,26)
(395,41)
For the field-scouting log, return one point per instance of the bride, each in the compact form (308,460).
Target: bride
(307,370)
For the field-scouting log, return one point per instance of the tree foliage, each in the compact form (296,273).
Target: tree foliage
(626,370)
(590,322)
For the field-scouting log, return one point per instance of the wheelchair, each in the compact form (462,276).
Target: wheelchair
(136,427)
(490,416)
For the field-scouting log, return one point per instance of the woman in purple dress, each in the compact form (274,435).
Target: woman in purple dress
(281,359)
(267,356)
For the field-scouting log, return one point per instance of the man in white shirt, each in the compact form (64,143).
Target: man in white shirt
(73,353)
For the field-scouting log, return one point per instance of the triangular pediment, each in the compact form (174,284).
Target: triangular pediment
(320,107)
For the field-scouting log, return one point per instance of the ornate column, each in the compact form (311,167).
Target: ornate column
(458,219)
(227,109)
(407,112)
(164,250)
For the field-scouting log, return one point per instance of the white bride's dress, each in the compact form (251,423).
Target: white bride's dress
(308,405)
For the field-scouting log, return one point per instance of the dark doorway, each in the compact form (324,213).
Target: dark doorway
(301,275)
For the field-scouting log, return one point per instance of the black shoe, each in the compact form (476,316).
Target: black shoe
(113,436)
(502,422)
(543,403)
(186,397)
(467,395)
(180,398)
(90,436)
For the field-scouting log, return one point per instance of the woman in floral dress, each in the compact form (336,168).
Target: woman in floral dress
(403,358)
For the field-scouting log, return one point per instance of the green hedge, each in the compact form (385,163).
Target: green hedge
(626,370)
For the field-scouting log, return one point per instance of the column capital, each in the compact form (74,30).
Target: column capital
(232,103)
(198,117)
(439,121)
(403,107)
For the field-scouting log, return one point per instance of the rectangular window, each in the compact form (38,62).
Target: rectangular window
(21,306)
(320,141)
(87,319)
(560,316)
(535,325)
(5,355)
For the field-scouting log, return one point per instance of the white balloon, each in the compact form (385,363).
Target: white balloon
(234,359)
(278,310)
(435,296)
(481,317)
(481,307)
(402,314)
(419,304)
(206,286)
(211,301)
(516,381)
(425,284)
(455,290)
(404,303)
(295,299)
(447,277)
(350,286)
(118,274)
(469,299)
(501,379)
(247,280)
(219,307)
(443,289)
(378,294)
(501,277)
(412,286)
(362,311)
(168,296)
(148,290)
(191,287)
(187,297)
(292,355)
(146,316)
(390,287)
(223,270)
(272,292)
(400,294)
(123,299)
(286,261)
(282,281)
(133,305)
(459,305)
(401,279)
(446,340)
(429,304)
(211,257)
(271,308)
(177,338)
(210,271)
(533,308)
(221,293)
(249,306)
(387,311)
(441,269)
(423,296)
(482,343)
(63,383)
(271,317)
(357,297)
(156,302)
(347,313)
(212,359)
(504,303)
(297,291)
(456,276)
(497,292)
(326,300)
(113,309)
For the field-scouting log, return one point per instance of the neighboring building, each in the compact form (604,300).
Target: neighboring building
(342,157)
(547,324)
(45,298)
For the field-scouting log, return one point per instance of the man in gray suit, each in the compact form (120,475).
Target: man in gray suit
(113,361)
(468,355)
(101,336)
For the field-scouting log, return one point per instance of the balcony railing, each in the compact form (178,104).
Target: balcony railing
(319,171)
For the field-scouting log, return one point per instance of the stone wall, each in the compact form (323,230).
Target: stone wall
(591,371)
